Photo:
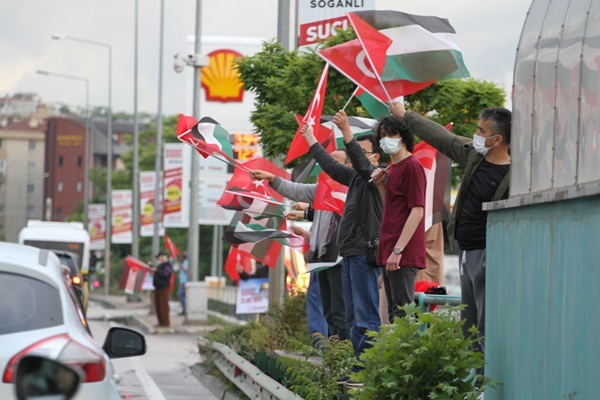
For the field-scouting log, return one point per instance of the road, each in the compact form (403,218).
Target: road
(163,373)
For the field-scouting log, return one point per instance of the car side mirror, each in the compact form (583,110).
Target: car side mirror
(40,378)
(123,342)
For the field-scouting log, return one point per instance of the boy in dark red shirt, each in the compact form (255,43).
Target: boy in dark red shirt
(402,238)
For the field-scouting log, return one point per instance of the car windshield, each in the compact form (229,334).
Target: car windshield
(27,304)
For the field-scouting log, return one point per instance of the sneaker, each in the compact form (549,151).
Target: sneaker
(343,379)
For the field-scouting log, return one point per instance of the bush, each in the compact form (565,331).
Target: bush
(318,382)
(410,362)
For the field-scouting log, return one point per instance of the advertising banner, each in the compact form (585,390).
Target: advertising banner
(97,226)
(175,191)
(147,194)
(318,19)
(253,296)
(121,216)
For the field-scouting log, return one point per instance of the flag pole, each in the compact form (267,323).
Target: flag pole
(351,97)
(368,56)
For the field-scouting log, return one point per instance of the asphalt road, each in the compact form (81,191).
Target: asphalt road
(163,373)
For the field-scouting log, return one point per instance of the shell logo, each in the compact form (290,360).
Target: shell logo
(219,79)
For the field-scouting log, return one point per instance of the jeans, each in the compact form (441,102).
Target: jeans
(181,296)
(332,297)
(314,308)
(361,295)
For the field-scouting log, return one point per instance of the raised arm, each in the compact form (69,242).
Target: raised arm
(334,169)
(455,147)
(360,162)
(295,191)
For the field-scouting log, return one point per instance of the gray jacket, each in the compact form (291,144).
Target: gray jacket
(325,223)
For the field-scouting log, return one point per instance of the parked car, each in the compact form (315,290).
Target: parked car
(40,314)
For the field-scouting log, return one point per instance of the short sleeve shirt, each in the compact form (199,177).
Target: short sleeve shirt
(405,190)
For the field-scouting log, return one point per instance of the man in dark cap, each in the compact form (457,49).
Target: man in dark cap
(162,288)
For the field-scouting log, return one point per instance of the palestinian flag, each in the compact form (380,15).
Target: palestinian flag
(409,47)
(207,136)
(358,125)
(374,107)
(255,233)
(321,266)
(437,169)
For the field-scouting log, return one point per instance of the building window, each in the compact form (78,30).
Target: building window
(60,161)
(59,187)
(79,187)
(31,167)
(79,161)
(31,144)
(30,188)
(30,211)
(58,213)
(0,143)
(2,166)
(1,209)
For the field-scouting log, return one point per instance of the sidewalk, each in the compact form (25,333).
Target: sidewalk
(137,313)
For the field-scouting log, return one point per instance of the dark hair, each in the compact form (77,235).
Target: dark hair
(370,138)
(393,125)
(501,120)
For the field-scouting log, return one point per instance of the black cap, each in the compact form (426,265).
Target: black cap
(160,253)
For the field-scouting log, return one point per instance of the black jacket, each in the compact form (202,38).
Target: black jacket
(162,275)
(361,220)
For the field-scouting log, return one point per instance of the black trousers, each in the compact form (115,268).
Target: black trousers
(399,290)
(332,298)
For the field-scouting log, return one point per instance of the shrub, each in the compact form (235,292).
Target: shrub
(318,382)
(413,361)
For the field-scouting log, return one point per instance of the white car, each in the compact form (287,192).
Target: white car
(40,314)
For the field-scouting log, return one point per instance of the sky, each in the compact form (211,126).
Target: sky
(487,33)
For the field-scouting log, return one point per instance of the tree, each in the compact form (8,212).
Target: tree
(284,83)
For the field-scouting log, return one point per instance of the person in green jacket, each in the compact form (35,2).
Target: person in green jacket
(486,160)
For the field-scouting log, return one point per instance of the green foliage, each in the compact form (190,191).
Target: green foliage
(282,324)
(318,382)
(409,362)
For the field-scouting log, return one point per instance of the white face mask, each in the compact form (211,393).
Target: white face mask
(479,144)
(390,145)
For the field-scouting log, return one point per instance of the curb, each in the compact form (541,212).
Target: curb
(106,303)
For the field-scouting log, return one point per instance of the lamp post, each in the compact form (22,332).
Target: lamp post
(86,167)
(109,155)
(135,209)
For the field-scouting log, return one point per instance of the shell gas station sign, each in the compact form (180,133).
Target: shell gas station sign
(220,80)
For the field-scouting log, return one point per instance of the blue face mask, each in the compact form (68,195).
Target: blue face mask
(390,145)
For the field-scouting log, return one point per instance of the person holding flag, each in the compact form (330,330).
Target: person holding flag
(402,237)
(361,217)
(486,160)
(323,249)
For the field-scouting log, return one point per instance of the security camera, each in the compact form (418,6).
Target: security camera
(179,63)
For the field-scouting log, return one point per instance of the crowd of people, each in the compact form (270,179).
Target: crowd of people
(381,237)
(378,249)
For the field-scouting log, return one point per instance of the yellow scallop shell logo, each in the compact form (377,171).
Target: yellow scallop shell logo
(220,79)
(173,193)
(118,220)
(148,209)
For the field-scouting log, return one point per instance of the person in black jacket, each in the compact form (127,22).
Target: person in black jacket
(360,223)
(162,288)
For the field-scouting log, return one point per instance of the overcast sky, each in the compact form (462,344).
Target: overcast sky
(488,34)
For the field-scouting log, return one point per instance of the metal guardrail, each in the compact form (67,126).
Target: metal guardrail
(248,378)
(425,300)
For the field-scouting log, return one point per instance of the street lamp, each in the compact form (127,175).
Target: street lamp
(109,156)
(86,168)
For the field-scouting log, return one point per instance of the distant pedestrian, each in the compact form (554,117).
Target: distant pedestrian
(162,288)
(183,278)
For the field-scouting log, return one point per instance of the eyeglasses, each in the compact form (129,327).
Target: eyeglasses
(366,152)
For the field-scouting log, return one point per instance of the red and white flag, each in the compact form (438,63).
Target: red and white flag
(330,195)
(299,147)
(173,250)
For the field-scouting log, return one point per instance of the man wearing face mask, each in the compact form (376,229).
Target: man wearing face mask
(362,214)
(402,236)
(486,160)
